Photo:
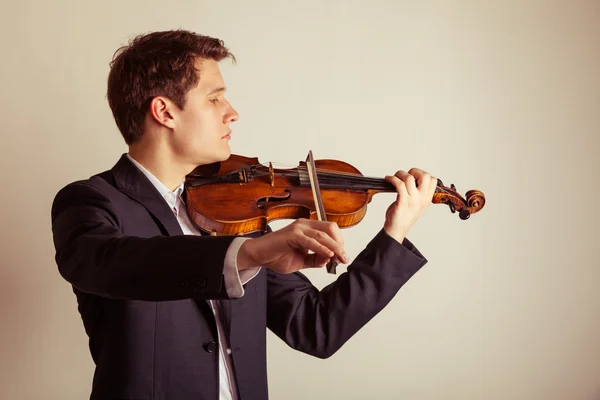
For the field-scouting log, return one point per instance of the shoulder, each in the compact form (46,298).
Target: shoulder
(101,182)
(94,191)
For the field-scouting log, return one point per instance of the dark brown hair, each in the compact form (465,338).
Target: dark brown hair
(156,64)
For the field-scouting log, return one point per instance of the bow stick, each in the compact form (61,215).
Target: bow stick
(321,216)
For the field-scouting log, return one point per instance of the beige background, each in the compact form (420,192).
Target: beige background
(498,96)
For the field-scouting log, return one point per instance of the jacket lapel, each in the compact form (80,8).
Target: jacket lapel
(131,181)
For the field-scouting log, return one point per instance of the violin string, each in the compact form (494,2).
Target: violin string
(357,179)
(360,178)
(354,177)
(369,185)
(330,174)
(337,173)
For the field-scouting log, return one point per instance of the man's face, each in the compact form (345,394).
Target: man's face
(201,135)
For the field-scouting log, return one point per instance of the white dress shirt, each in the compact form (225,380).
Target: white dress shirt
(234,279)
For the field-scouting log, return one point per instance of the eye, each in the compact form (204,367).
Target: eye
(214,100)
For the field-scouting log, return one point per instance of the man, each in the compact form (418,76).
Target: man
(172,313)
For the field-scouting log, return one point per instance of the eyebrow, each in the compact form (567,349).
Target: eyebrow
(217,90)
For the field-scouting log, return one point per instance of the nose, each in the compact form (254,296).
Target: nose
(231,115)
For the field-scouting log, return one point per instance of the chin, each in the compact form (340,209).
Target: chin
(216,156)
(224,154)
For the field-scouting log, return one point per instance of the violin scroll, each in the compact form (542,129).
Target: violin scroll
(474,202)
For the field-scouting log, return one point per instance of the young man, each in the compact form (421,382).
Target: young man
(173,313)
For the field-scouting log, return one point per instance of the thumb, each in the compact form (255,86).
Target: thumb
(315,260)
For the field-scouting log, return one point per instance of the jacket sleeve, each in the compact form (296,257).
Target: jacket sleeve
(95,257)
(320,322)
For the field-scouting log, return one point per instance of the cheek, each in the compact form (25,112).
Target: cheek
(201,123)
(194,124)
(204,128)
(207,117)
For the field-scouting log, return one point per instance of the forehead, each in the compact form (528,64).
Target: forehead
(210,75)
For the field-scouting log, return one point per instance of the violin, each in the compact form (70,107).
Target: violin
(241,195)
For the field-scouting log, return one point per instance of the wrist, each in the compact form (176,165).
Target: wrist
(396,234)
(244,257)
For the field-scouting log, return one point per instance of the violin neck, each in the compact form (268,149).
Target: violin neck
(340,180)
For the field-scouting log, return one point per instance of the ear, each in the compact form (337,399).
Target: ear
(161,111)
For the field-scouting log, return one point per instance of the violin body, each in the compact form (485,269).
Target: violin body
(263,194)
(240,195)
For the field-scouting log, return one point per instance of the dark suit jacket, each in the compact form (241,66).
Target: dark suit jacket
(141,288)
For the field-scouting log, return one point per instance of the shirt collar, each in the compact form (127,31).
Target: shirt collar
(169,196)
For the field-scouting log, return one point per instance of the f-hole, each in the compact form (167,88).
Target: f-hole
(274,198)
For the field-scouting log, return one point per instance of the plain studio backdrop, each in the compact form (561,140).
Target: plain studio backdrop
(502,97)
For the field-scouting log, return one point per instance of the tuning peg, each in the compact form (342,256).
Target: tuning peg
(440,183)
(452,208)
(452,186)
(464,214)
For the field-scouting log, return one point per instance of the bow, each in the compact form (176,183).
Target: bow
(321,216)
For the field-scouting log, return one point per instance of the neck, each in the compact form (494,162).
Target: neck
(161,163)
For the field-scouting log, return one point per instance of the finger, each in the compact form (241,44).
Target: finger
(328,242)
(422,179)
(315,260)
(432,188)
(434,182)
(330,227)
(309,244)
(409,180)
(400,188)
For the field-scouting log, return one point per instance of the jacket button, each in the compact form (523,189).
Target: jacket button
(210,347)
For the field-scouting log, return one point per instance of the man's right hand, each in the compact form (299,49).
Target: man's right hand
(287,250)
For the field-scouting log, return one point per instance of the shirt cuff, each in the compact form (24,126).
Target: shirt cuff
(234,279)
